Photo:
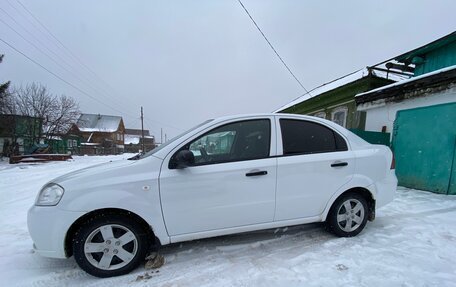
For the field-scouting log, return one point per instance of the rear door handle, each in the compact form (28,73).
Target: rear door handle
(339,163)
(256,173)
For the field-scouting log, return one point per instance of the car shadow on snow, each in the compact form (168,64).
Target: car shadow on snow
(185,253)
(234,248)
(302,234)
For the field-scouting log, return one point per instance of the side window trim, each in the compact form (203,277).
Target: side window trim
(271,149)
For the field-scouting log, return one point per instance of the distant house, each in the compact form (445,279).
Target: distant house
(100,134)
(72,141)
(69,143)
(133,141)
(18,133)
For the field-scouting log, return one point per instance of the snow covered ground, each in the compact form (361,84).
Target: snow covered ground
(411,243)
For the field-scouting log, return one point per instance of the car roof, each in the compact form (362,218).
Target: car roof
(355,142)
(285,115)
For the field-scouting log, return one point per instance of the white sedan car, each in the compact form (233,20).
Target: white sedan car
(229,175)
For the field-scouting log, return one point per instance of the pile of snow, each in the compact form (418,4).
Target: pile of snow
(411,243)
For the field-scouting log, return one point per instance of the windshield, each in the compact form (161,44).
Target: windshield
(160,147)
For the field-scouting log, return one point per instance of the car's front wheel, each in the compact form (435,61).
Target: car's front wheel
(348,215)
(110,245)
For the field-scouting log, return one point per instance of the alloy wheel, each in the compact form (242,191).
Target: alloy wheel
(110,247)
(350,215)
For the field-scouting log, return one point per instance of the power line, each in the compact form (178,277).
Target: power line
(73,55)
(60,42)
(83,79)
(74,86)
(30,33)
(58,77)
(36,47)
(47,55)
(272,47)
(65,48)
(69,52)
(32,44)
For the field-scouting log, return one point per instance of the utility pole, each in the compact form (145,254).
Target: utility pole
(142,129)
(161,135)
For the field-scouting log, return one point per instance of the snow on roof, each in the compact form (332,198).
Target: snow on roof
(58,138)
(443,70)
(134,139)
(357,75)
(137,132)
(91,144)
(98,123)
(131,139)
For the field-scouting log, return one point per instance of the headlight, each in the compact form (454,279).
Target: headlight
(49,195)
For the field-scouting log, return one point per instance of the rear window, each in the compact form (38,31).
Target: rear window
(304,137)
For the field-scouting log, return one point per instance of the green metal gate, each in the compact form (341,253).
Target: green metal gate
(424,144)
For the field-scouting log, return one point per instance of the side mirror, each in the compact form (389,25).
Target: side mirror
(184,158)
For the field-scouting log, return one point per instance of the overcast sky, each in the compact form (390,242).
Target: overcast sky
(187,61)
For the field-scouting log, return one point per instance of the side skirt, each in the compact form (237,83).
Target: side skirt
(245,228)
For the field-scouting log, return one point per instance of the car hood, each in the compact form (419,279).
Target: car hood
(93,171)
(111,184)
(111,173)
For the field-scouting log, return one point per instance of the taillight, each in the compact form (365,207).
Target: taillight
(393,163)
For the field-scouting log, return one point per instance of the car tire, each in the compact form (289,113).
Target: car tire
(110,244)
(348,215)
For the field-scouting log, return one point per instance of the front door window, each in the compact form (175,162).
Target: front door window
(237,141)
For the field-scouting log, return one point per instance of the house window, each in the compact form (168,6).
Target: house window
(320,115)
(70,143)
(75,143)
(339,116)
(118,137)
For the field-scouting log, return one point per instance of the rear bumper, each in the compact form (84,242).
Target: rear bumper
(385,189)
(48,227)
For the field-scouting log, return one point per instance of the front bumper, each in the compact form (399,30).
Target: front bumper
(48,226)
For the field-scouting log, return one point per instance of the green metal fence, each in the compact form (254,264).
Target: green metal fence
(373,137)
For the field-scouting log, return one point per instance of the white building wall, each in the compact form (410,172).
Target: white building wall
(383,114)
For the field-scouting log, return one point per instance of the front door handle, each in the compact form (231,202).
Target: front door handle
(256,173)
(339,163)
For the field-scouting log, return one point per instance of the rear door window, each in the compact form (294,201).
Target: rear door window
(305,137)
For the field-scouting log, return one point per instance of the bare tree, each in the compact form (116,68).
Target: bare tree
(56,112)
(65,113)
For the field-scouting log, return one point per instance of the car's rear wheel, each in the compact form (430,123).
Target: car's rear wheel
(348,215)
(110,245)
